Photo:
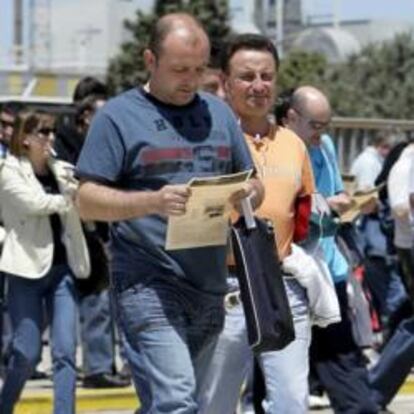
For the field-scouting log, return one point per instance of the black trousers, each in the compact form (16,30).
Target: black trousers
(339,365)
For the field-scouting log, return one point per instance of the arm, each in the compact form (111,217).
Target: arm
(339,202)
(28,199)
(103,203)
(398,191)
(303,202)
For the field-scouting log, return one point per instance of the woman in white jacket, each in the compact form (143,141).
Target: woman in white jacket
(43,249)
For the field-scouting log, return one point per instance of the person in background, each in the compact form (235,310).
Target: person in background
(398,186)
(337,358)
(376,229)
(212,79)
(367,165)
(43,250)
(8,113)
(96,319)
(250,64)
(71,136)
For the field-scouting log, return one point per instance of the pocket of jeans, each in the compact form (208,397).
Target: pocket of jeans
(213,318)
(148,307)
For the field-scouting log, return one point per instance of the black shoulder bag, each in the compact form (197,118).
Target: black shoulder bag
(266,306)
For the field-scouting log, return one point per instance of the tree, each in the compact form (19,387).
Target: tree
(127,69)
(379,82)
(302,68)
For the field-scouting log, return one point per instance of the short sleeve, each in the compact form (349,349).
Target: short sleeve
(333,159)
(308,182)
(366,172)
(411,178)
(102,156)
(397,192)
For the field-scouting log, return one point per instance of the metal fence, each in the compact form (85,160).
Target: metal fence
(352,135)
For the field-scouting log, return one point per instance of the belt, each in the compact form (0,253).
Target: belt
(232,299)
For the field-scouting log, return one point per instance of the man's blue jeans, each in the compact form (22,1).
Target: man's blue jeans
(168,325)
(27,299)
(285,371)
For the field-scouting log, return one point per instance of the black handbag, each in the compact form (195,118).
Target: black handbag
(266,306)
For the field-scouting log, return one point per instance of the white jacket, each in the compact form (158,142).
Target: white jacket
(313,275)
(398,186)
(26,208)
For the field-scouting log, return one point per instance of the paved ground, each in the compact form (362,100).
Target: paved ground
(401,405)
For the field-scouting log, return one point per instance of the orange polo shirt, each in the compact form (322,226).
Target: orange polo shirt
(283,165)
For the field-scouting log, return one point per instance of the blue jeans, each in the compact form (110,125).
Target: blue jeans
(97,333)
(285,371)
(27,301)
(168,325)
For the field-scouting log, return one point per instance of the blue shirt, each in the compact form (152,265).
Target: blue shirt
(139,143)
(329,182)
(3,150)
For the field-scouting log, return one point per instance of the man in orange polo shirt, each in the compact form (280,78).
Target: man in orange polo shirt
(250,64)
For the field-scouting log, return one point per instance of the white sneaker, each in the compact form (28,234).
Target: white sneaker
(319,402)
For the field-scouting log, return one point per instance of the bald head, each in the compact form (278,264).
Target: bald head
(307,98)
(176,59)
(309,113)
(182,25)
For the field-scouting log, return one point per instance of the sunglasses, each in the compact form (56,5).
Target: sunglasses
(6,124)
(46,131)
(316,125)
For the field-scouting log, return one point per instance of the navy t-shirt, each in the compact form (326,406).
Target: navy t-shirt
(137,142)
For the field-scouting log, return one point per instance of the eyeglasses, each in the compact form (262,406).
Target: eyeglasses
(43,134)
(6,124)
(46,131)
(316,125)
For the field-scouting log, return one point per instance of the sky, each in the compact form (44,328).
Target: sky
(362,9)
(346,9)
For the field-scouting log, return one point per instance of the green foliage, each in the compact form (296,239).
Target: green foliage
(379,82)
(302,68)
(127,69)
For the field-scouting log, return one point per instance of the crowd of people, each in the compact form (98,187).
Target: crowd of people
(85,206)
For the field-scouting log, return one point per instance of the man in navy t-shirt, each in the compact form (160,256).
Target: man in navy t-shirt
(142,149)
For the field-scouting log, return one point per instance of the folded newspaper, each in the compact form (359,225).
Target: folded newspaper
(206,221)
(359,199)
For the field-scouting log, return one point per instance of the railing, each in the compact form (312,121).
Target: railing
(352,135)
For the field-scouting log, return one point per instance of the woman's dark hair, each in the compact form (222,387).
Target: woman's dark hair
(282,106)
(27,123)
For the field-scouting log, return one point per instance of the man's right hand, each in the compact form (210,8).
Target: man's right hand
(340,202)
(171,200)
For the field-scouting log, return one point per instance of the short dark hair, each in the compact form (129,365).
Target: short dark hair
(248,41)
(216,52)
(165,25)
(383,137)
(282,106)
(86,105)
(12,108)
(89,86)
